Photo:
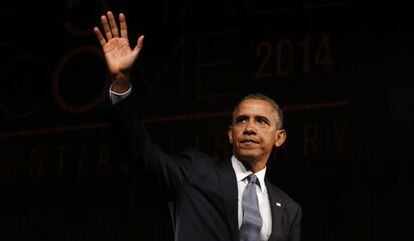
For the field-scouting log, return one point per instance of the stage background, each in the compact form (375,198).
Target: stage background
(341,70)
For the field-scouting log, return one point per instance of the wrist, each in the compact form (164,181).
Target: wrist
(120,89)
(120,83)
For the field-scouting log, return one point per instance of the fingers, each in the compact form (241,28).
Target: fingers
(106,28)
(113,25)
(124,29)
(111,29)
(98,33)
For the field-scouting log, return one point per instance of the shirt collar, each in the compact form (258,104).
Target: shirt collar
(242,172)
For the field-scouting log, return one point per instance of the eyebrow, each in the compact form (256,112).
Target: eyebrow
(258,117)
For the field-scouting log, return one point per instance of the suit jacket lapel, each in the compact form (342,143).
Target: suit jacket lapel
(229,189)
(277,209)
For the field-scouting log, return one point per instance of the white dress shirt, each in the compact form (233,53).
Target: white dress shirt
(241,174)
(262,196)
(116,97)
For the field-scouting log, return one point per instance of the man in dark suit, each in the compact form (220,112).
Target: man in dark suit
(211,199)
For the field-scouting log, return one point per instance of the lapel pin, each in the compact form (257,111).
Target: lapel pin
(278,204)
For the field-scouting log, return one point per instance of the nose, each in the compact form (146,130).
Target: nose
(249,128)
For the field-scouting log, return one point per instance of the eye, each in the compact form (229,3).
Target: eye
(241,119)
(263,120)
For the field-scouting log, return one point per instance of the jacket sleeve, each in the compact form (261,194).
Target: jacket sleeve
(295,227)
(166,171)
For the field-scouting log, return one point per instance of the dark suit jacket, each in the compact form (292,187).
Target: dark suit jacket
(202,190)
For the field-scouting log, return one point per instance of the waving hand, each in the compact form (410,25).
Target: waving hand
(119,55)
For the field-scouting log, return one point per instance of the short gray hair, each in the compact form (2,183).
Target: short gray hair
(260,96)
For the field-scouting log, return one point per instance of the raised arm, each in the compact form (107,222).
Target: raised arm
(119,55)
(168,172)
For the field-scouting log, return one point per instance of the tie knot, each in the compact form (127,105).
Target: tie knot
(253,179)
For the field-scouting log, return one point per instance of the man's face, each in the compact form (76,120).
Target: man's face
(254,131)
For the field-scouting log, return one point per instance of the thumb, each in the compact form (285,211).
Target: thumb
(139,46)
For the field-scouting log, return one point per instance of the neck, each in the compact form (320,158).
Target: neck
(252,165)
(254,168)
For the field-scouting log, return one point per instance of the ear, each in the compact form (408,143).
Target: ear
(280,137)
(230,134)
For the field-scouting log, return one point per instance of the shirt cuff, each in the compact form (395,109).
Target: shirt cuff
(116,97)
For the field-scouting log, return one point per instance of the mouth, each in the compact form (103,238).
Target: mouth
(248,141)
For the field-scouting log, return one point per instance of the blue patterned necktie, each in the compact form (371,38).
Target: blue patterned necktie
(252,221)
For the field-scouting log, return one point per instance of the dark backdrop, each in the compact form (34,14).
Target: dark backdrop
(341,70)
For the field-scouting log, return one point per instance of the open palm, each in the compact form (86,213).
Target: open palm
(118,54)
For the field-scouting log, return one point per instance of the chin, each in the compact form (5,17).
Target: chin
(247,156)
